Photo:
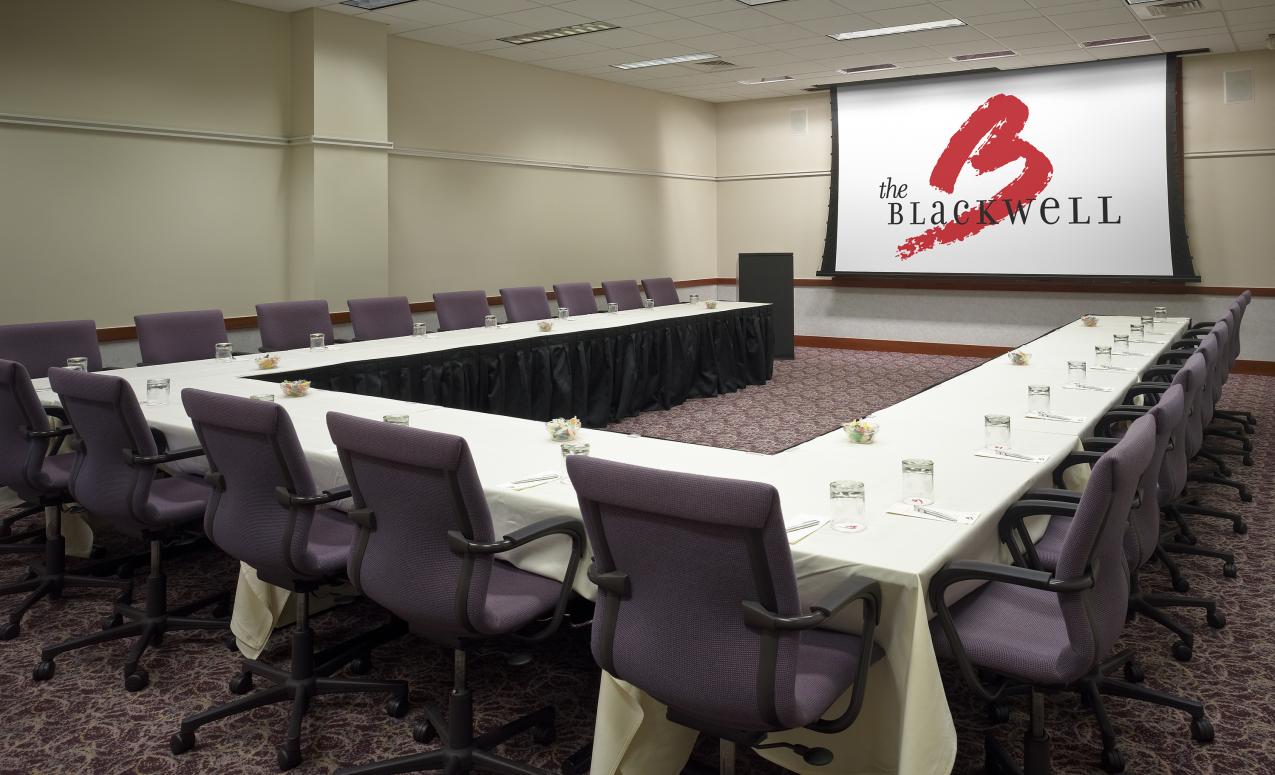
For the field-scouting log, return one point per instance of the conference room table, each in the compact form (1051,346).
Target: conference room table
(905,725)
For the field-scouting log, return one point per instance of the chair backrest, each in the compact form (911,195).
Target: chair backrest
(461,309)
(380,318)
(691,550)
(109,423)
(22,459)
(528,302)
(41,346)
(1173,466)
(661,290)
(1144,523)
(1094,544)
(578,298)
(1213,347)
(252,448)
(287,325)
(171,337)
(418,485)
(1194,376)
(623,293)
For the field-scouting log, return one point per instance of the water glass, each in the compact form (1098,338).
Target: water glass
(1077,372)
(420,329)
(918,481)
(648,303)
(572,448)
(694,298)
(78,363)
(489,321)
(1148,323)
(396,419)
(1135,332)
(996,431)
(1120,343)
(846,499)
(1161,315)
(564,313)
(1102,357)
(1037,398)
(262,397)
(223,352)
(157,391)
(317,343)
(613,307)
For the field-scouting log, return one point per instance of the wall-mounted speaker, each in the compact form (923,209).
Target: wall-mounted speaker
(1237,86)
(797,121)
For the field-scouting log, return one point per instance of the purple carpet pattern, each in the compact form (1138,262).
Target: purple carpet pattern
(83,721)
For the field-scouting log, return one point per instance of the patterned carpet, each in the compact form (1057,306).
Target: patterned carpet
(84,722)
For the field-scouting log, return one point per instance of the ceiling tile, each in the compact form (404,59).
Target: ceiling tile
(780,33)
(1195,21)
(442,36)
(1061,57)
(428,14)
(864,6)
(803,10)
(1231,5)
(1007,16)
(1108,32)
(604,10)
(1217,42)
(1038,40)
(544,18)
(764,58)
(1251,40)
(395,24)
(287,6)
(1125,51)
(489,7)
(676,29)
(621,38)
(912,14)
(652,17)
(963,8)
(717,42)
(835,24)
(702,8)
(1073,21)
(744,19)
(1250,15)
(1021,27)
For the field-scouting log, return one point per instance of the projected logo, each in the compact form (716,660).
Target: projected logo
(988,140)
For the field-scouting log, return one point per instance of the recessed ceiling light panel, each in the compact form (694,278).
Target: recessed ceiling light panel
(559,32)
(1117,41)
(985,55)
(665,61)
(373,5)
(761,2)
(867,68)
(937,25)
(768,79)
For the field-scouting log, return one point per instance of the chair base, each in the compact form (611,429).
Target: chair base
(998,761)
(8,537)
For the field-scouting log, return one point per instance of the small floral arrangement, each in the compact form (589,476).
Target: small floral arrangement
(295,388)
(711,304)
(267,361)
(860,431)
(1089,321)
(1020,358)
(563,430)
(545,325)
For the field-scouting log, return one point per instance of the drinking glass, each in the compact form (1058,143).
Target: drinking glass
(648,303)
(262,397)
(918,481)
(1135,332)
(564,313)
(996,431)
(396,419)
(1161,315)
(157,391)
(694,298)
(846,499)
(1102,357)
(1037,398)
(317,343)
(223,352)
(613,307)
(1148,323)
(572,448)
(1077,372)
(420,329)
(78,363)
(1120,343)
(489,321)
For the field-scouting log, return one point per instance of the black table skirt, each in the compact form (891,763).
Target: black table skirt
(599,376)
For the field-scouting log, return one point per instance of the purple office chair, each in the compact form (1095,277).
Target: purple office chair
(697,606)
(40,479)
(577,298)
(428,553)
(115,476)
(172,337)
(662,291)
(623,293)
(266,512)
(525,303)
(380,318)
(41,346)
(461,309)
(1038,630)
(287,325)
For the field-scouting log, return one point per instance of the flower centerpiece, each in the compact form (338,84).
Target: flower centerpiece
(860,431)
(563,430)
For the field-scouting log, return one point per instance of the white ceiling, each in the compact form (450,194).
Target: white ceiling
(791,37)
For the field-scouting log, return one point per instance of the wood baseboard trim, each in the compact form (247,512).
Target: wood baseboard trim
(1261,368)
(1013,286)
(901,346)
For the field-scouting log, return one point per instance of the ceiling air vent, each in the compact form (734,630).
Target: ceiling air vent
(716,64)
(1148,11)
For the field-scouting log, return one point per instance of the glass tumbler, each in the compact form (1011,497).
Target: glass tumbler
(317,343)
(1037,398)
(1135,332)
(420,329)
(846,499)
(648,303)
(157,391)
(572,448)
(489,321)
(612,307)
(996,431)
(918,481)
(694,298)
(1077,372)
(1161,315)
(1120,343)
(396,419)
(1102,357)
(78,363)
(223,352)
(262,397)
(1148,324)
(564,313)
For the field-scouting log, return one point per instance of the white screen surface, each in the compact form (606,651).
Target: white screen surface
(1054,171)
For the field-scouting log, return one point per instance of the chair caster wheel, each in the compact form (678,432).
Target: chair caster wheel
(1248,460)
(1182,652)
(288,755)
(181,742)
(1202,730)
(997,712)
(1133,673)
(10,631)
(43,671)
(396,707)
(137,680)
(230,642)
(1216,619)
(1230,571)
(1241,527)
(360,666)
(1112,761)
(423,732)
(544,735)
(241,684)
(1181,585)
(111,622)
(1246,496)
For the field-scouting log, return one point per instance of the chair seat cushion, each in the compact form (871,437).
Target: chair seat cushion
(331,541)
(1014,631)
(515,598)
(177,499)
(827,663)
(1049,547)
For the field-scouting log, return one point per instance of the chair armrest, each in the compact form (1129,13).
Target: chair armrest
(1143,389)
(133,459)
(61,431)
(1073,459)
(1013,531)
(1204,325)
(1099,443)
(291,500)
(1121,413)
(1043,494)
(1154,373)
(1174,356)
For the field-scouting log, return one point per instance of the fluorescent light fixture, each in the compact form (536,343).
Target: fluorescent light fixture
(986,55)
(938,25)
(373,5)
(1117,41)
(677,60)
(767,2)
(867,68)
(768,79)
(1140,2)
(560,32)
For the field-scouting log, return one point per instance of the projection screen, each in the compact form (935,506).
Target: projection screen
(1072,170)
